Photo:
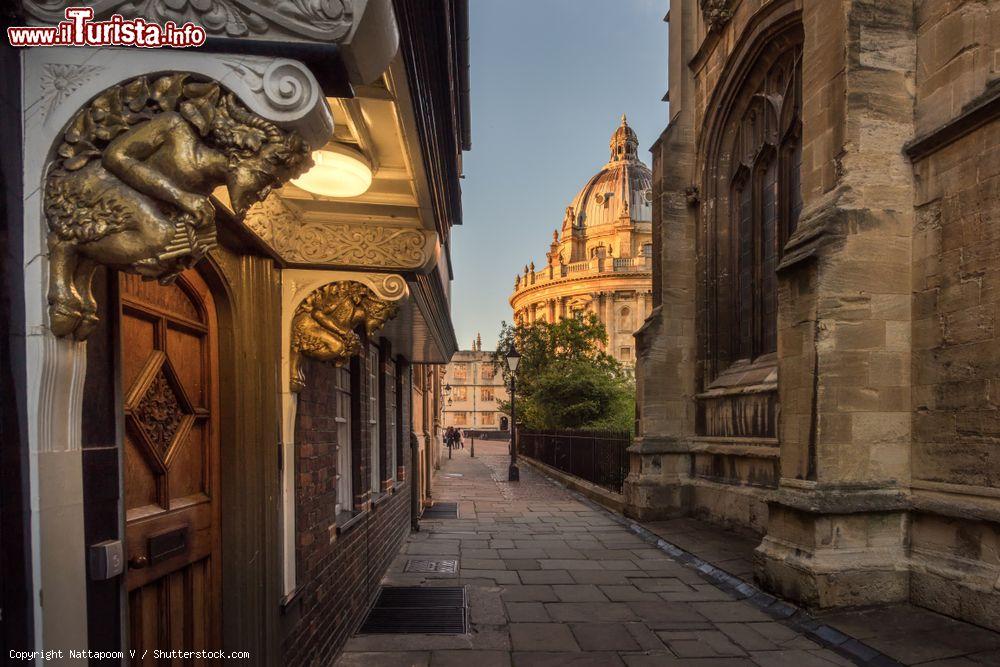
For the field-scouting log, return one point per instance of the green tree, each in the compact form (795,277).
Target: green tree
(565,379)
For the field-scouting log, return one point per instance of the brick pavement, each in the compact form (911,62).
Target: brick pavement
(554,581)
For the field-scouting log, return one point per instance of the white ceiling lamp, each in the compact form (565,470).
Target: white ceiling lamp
(339,171)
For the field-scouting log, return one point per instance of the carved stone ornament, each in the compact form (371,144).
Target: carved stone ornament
(321,20)
(361,245)
(692,195)
(717,13)
(323,324)
(59,80)
(130,185)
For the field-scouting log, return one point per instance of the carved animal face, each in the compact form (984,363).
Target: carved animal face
(377,313)
(254,177)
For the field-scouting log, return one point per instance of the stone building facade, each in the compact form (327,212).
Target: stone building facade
(222,375)
(600,261)
(473,390)
(820,361)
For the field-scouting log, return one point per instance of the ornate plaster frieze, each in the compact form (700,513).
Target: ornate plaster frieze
(320,20)
(130,186)
(360,246)
(717,13)
(324,323)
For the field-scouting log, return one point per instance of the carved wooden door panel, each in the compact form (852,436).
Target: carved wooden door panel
(171,463)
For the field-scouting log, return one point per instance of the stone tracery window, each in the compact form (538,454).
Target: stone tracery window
(752,202)
(764,203)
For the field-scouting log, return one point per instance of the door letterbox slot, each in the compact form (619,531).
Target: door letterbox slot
(166,544)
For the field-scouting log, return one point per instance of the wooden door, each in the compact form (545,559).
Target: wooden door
(169,372)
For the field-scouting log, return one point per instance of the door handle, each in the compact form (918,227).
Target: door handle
(138,562)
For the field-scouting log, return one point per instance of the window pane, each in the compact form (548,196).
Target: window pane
(768,293)
(745,271)
(342,417)
(390,418)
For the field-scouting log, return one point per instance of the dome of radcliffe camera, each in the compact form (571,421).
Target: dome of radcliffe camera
(622,188)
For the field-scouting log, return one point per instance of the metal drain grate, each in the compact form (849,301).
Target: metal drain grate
(432,566)
(441,511)
(414,609)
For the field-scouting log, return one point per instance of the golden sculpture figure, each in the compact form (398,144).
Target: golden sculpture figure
(324,323)
(131,184)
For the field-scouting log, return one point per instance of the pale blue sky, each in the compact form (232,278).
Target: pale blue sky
(550,80)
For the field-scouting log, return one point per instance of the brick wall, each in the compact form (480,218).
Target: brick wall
(338,575)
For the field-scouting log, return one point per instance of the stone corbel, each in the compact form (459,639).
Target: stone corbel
(717,13)
(108,202)
(379,297)
(324,322)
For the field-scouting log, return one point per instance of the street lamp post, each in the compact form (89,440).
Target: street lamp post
(513,359)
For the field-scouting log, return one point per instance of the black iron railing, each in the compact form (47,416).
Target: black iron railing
(599,457)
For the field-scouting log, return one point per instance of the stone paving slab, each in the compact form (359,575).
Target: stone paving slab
(554,580)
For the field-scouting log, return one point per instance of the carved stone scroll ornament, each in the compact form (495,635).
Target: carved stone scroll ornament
(321,20)
(717,13)
(323,324)
(130,186)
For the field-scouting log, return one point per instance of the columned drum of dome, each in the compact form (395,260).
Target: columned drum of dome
(600,259)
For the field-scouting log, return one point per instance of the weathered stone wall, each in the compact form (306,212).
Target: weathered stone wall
(680,463)
(955,534)
(888,422)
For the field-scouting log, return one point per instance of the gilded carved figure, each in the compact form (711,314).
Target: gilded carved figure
(324,323)
(130,186)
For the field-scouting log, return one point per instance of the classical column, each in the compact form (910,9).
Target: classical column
(836,530)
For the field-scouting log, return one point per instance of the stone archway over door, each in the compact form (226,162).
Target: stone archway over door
(169,376)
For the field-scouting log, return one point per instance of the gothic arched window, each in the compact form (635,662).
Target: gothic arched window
(758,200)
(765,201)
(752,152)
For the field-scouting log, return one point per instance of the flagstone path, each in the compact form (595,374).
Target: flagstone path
(554,581)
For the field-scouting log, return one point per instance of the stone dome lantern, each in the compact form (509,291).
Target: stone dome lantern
(600,263)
